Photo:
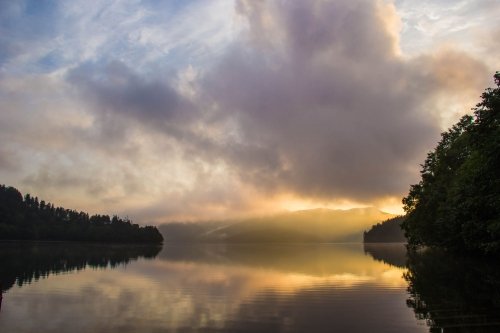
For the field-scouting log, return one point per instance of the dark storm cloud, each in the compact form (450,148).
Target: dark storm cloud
(117,94)
(337,107)
(115,89)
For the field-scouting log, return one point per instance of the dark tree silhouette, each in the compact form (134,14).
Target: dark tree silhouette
(30,219)
(388,231)
(456,205)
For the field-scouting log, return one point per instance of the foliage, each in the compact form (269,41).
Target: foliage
(30,219)
(456,204)
(388,231)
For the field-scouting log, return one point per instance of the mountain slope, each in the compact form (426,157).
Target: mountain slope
(317,225)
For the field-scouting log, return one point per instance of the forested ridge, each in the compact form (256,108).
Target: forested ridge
(388,231)
(456,205)
(28,218)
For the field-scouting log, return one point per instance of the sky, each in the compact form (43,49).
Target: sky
(188,110)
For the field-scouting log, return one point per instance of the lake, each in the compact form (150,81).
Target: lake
(60,287)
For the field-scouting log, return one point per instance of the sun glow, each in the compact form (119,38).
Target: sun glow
(292,203)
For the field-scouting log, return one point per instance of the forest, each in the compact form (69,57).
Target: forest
(28,218)
(388,231)
(456,204)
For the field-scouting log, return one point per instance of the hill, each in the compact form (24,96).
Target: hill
(31,219)
(317,225)
(388,231)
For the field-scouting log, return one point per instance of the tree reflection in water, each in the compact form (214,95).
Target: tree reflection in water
(390,253)
(24,262)
(452,293)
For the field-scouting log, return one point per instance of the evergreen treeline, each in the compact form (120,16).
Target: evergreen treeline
(30,219)
(456,205)
(388,231)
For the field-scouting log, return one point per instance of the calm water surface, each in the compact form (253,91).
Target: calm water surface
(243,288)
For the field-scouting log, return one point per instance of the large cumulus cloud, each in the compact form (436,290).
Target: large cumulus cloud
(325,93)
(322,88)
(314,99)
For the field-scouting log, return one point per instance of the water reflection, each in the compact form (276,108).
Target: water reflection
(24,262)
(282,288)
(454,294)
(313,260)
(223,288)
(245,288)
(390,253)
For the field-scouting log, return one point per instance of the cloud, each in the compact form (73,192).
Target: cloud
(457,80)
(430,24)
(331,108)
(47,36)
(137,109)
(8,160)
(115,89)
(314,99)
(325,105)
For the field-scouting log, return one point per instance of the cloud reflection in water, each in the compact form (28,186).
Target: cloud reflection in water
(264,288)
